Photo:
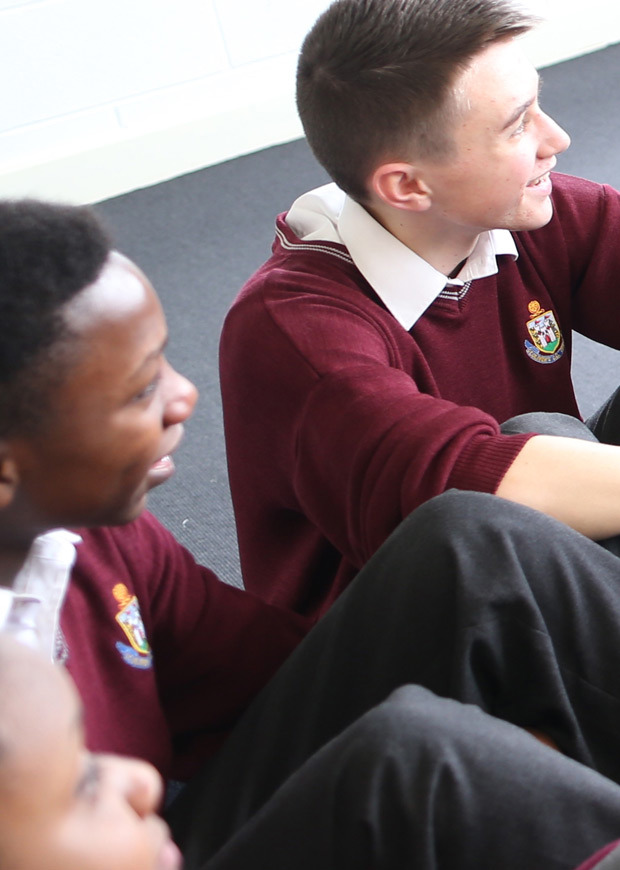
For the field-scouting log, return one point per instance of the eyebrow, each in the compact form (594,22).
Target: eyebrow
(522,108)
(153,355)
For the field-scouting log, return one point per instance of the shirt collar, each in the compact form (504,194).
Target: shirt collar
(42,581)
(6,602)
(405,282)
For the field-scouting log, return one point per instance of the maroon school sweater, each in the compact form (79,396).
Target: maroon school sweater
(339,422)
(165,656)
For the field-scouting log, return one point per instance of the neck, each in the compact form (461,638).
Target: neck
(444,250)
(16,539)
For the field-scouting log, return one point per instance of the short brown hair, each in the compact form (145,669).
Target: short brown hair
(374,76)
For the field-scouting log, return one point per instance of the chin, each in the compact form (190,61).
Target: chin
(134,511)
(106,515)
(539,216)
(529,222)
(127,514)
(545,216)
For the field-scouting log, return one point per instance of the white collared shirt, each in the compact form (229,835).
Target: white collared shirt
(405,282)
(31,609)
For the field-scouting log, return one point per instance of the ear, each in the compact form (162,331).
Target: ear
(400,185)
(9,475)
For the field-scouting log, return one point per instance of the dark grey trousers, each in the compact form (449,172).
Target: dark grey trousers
(475,599)
(603,426)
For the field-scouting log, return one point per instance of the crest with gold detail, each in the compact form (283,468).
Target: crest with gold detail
(547,345)
(138,653)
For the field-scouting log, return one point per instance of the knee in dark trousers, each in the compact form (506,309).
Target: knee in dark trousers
(605,422)
(509,597)
(428,782)
(548,423)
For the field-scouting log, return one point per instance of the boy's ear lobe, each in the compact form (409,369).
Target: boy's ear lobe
(399,185)
(9,476)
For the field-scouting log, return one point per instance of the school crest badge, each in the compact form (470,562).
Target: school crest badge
(547,344)
(138,653)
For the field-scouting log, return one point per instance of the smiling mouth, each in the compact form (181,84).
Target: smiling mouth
(544,179)
(164,462)
(160,471)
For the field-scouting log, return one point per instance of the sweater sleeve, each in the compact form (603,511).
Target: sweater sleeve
(208,647)
(215,646)
(371,448)
(589,243)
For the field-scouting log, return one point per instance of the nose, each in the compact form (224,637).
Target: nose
(137,782)
(180,397)
(554,139)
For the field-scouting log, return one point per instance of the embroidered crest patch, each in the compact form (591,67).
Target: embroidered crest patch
(547,345)
(138,653)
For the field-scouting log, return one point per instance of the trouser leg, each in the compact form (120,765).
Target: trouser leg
(544,423)
(605,423)
(473,597)
(427,783)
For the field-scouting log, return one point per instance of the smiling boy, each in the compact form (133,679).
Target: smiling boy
(127,407)
(90,411)
(416,305)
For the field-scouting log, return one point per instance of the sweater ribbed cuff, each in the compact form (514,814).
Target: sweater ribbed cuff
(482,465)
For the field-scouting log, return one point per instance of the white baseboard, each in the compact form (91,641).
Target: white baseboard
(109,169)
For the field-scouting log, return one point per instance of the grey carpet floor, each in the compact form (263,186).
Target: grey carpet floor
(198,238)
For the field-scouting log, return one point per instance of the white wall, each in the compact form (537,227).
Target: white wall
(104,96)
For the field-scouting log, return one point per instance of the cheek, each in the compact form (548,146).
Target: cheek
(522,166)
(127,458)
(104,491)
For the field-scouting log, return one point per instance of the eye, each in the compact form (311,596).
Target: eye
(149,390)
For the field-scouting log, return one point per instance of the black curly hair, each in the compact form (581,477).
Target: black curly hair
(48,253)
